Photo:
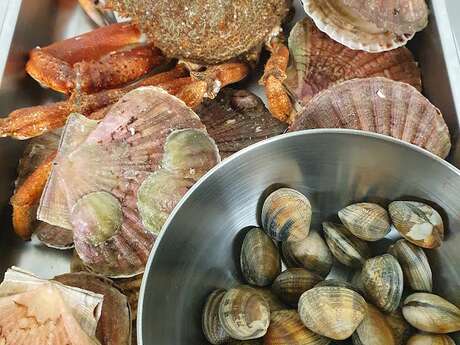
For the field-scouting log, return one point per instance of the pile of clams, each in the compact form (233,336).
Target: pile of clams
(388,301)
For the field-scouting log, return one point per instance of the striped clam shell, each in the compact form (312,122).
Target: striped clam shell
(374,330)
(430,339)
(401,329)
(293,282)
(212,328)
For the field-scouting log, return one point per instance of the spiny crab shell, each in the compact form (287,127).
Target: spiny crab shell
(114,183)
(205,31)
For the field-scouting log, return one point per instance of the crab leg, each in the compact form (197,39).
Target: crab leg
(104,58)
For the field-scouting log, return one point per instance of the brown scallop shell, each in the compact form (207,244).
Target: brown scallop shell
(319,62)
(54,236)
(382,106)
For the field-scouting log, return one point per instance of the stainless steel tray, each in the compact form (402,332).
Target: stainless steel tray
(28,23)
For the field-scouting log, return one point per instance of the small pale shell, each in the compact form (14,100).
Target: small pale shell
(212,328)
(273,301)
(244,314)
(431,313)
(260,259)
(286,328)
(348,249)
(312,254)
(367,221)
(293,282)
(382,278)
(430,339)
(334,312)
(374,330)
(418,223)
(286,213)
(414,263)
(401,329)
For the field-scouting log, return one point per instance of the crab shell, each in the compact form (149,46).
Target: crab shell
(205,31)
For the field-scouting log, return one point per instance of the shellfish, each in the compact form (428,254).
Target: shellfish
(430,339)
(286,328)
(311,253)
(244,314)
(414,263)
(260,260)
(273,301)
(115,182)
(374,330)
(293,282)
(431,313)
(286,214)
(382,106)
(338,283)
(399,326)
(348,249)
(382,279)
(54,236)
(334,312)
(212,328)
(367,221)
(419,223)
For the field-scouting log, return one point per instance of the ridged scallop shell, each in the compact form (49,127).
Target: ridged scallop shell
(212,328)
(338,283)
(54,236)
(431,313)
(367,221)
(354,24)
(260,260)
(114,183)
(236,119)
(293,282)
(334,312)
(347,249)
(244,314)
(414,263)
(430,339)
(419,223)
(114,326)
(399,326)
(269,296)
(311,253)
(374,330)
(319,62)
(378,105)
(382,278)
(130,287)
(286,328)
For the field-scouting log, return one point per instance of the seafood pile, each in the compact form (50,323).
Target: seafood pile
(388,301)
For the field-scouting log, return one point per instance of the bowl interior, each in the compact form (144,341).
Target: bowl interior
(199,247)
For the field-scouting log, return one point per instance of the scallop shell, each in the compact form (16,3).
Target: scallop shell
(273,301)
(374,330)
(359,29)
(419,223)
(116,182)
(334,312)
(338,283)
(293,282)
(311,253)
(54,236)
(431,313)
(286,214)
(244,314)
(382,278)
(212,328)
(130,287)
(319,62)
(399,326)
(114,326)
(367,221)
(430,339)
(378,105)
(286,328)
(414,263)
(348,249)
(236,119)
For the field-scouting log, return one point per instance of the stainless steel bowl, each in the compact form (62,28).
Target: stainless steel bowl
(197,251)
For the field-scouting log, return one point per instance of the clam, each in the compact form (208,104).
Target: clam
(401,329)
(212,328)
(338,283)
(431,313)
(357,282)
(311,253)
(374,330)
(334,312)
(244,314)
(379,105)
(414,263)
(286,328)
(258,341)
(367,221)
(419,223)
(286,214)
(430,339)
(293,282)
(269,296)
(348,249)
(260,260)
(382,279)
